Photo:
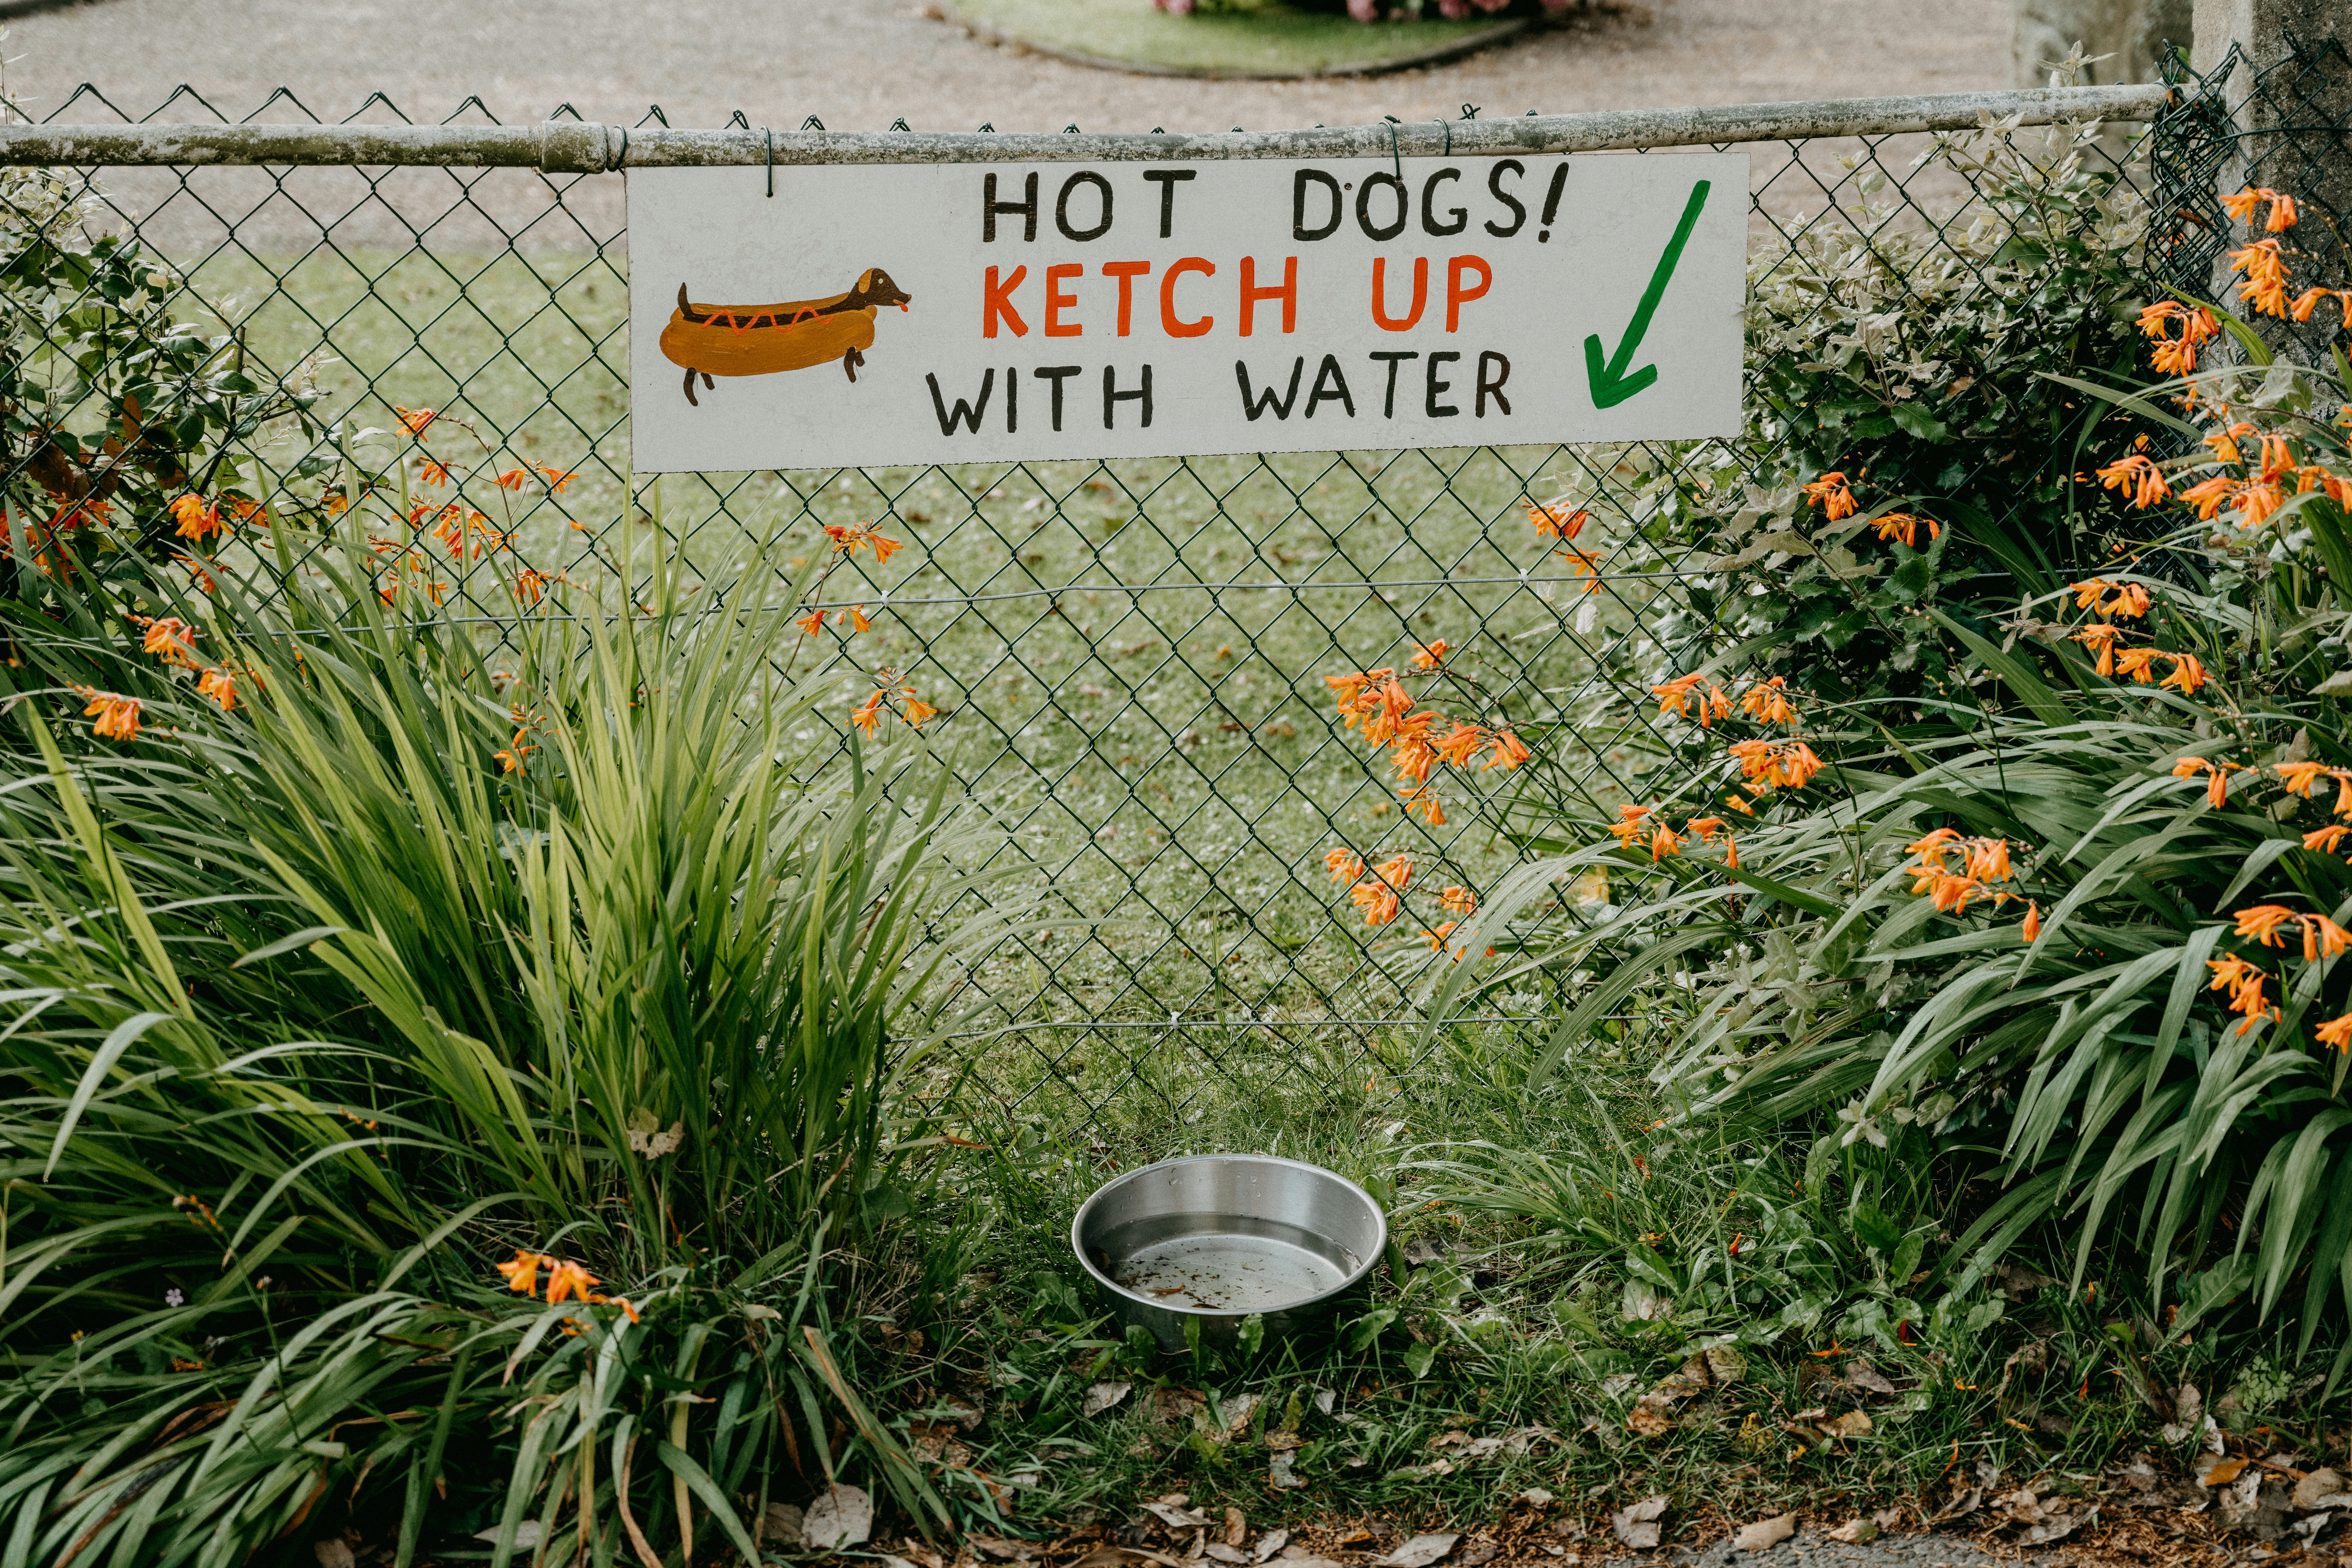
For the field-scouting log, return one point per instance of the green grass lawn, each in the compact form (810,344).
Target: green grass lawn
(1246,38)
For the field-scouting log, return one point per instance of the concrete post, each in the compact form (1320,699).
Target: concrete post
(2292,121)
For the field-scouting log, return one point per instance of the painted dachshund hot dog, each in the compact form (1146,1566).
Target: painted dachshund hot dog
(760,340)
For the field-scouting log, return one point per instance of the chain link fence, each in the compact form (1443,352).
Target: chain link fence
(1131,657)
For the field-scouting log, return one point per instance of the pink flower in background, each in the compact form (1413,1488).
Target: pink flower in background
(1453,10)
(1364,10)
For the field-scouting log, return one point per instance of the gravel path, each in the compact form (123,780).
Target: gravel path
(859,63)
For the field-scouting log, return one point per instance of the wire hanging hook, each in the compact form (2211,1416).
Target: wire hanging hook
(771,159)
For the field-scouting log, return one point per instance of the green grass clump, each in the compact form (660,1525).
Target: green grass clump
(441,950)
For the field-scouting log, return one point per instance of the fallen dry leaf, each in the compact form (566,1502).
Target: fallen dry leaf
(1964,1502)
(1280,1475)
(1420,1551)
(1005,1550)
(1236,1527)
(1646,1422)
(1856,1531)
(1224,1554)
(2220,1472)
(781,1525)
(1765,1533)
(841,1516)
(2053,1527)
(1638,1526)
(1852,1424)
(2320,1489)
(1860,1373)
(1102,1396)
(334,1552)
(1175,1517)
(1108,1556)
(1271,1542)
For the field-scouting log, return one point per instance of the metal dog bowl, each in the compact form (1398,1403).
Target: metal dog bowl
(1217,1238)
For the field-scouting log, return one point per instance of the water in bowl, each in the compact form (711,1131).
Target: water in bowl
(1213,1264)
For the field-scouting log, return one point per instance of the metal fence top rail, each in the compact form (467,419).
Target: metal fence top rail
(575,147)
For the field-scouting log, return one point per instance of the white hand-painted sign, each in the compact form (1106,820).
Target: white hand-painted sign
(936,313)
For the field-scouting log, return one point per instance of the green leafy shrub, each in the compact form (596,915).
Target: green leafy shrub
(2087,945)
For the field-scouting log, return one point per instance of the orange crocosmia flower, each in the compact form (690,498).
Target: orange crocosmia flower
(1663,843)
(1830,493)
(865,717)
(512,759)
(2308,300)
(2224,442)
(1429,655)
(1707,827)
(2208,495)
(1674,693)
(1437,938)
(2325,839)
(568,1281)
(557,478)
(2335,1032)
(2244,983)
(514,479)
(2255,500)
(2177,355)
(883,548)
(2301,776)
(1988,860)
(2282,210)
(855,617)
(194,517)
(2277,458)
(1461,901)
(2266,270)
(220,686)
(522,1274)
(2261,922)
(1423,800)
(1414,752)
(170,639)
(2323,936)
(1396,871)
(1935,844)
(1628,826)
(1378,901)
(1344,865)
(1558,522)
(432,472)
(531,584)
(2031,929)
(1798,765)
(1509,750)
(2188,674)
(1904,526)
(917,711)
(2138,475)
(2100,638)
(415,420)
(1457,745)
(117,715)
(1953,893)
(1768,702)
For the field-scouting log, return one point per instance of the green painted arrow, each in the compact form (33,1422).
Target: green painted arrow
(1610,385)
